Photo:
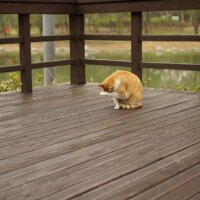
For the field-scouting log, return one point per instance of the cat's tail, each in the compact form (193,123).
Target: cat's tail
(131,106)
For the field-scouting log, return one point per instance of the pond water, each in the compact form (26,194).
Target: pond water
(151,77)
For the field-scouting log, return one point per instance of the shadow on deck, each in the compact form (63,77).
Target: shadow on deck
(67,142)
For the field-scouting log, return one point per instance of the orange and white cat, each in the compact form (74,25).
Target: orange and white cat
(125,88)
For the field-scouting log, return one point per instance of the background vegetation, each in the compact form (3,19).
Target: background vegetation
(109,23)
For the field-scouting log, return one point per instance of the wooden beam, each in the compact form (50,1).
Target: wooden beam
(37,8)
(99,1)
(51,64)
(77,48)
(136,44)
(175,66)
(13,68)
(51,38)
(106,37)
(25,53)
(182,38)
(137,6)
(71,7)
(116,63)
(10,40)
(41,1)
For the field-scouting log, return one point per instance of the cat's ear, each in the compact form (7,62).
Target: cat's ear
(101,85)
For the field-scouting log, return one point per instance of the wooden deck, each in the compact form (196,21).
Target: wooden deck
(67,142)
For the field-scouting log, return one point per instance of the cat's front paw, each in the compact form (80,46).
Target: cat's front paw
(103,93)
(117,107)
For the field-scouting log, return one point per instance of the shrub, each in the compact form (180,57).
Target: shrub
(12,83)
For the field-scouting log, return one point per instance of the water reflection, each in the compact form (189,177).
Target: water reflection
(152,77)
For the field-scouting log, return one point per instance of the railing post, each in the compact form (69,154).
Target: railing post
(136,44)
(25,53)
(77,48)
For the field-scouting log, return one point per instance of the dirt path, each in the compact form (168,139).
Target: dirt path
(113,46)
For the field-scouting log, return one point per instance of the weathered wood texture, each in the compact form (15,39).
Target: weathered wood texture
(25,52)
(77,48)
(136,43)
(135,5)
(37,7)
(67,142)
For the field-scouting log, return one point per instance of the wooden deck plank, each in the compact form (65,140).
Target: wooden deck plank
(66,118)
(195,197)
(190,175)
(63,182)
(124,151)
(63,166)
(61,191)
(71,146)
(184,191)
(136,183)
(99,116)
(155,132)
(44,141)
(164,140)
(20,147)
(60,112)
(43,188)
(42,104)
(32,98)
(67,142)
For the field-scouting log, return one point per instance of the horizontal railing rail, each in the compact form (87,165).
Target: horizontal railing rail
(155,65)
(77,37)
(52,38)
(152,65)
(99,6)
(171,38)
(167,38)
(51,64)
(175,66)
(106,37)
(10,40)
(115,63)
(13,68)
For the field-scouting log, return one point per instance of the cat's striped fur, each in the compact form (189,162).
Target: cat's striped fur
(125,88)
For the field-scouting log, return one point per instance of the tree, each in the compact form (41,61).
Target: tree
(36,21)
(8,22)
(196,20)
(146,22)
(62,22)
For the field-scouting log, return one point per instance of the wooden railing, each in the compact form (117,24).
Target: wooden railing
(77,37)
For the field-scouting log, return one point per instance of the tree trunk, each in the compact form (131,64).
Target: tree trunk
(182,20)
(196,29)
(147,23)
